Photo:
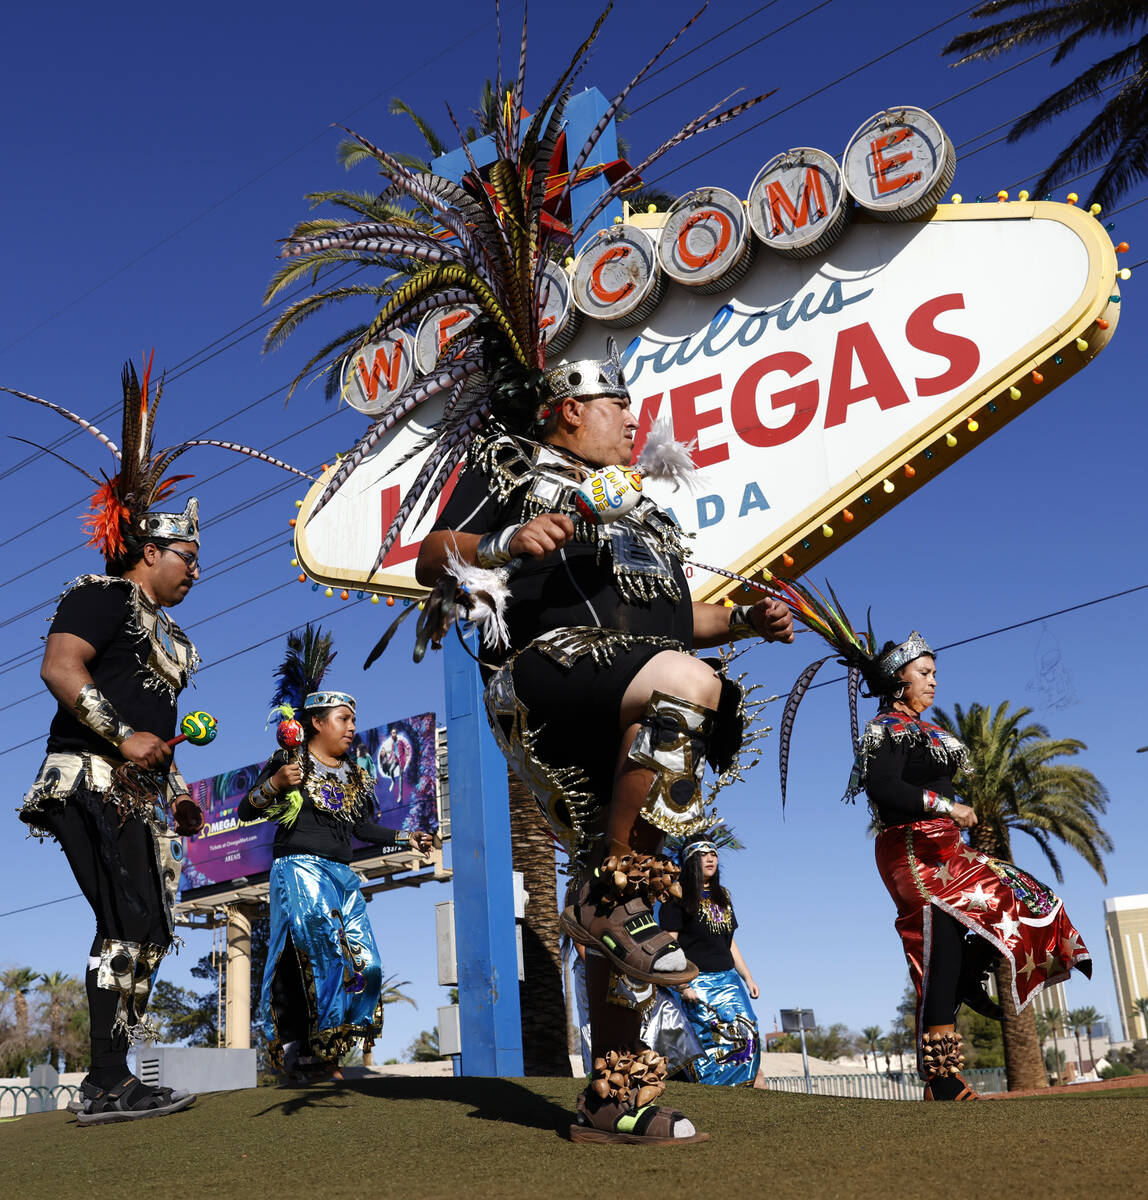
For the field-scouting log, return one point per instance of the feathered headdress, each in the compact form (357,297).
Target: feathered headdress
(308,657)
(492,253)
(123,509)
(854,650)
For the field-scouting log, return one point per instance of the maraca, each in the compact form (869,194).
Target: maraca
(198,728)
(608,494)
(289,734)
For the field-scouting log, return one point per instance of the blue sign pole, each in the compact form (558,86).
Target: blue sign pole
(490,1022)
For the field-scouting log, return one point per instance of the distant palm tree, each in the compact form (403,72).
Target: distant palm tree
(1016,784)
(1140,1009)
(1087,1017)
(391,994)
(63,994)
(17,982)
(1116,135)
(1076,1018)
(870,1035)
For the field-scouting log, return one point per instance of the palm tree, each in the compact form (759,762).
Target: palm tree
(1140,1009)
(1087,1017)
(63,993)
(870,1035)
(365,206)
(542,998)
(391,994)
(1016,784)
(17,982)
(1116,135)
(1076,1018)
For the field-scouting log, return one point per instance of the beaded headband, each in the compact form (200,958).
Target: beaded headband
(698,848)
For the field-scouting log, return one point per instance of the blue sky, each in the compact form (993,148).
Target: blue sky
(152,160)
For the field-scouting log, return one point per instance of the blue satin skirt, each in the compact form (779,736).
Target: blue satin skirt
(318,913)
(726,1026)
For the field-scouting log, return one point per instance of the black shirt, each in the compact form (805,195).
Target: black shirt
(103,614)
(571,587)
(316,831)
(899,773)
(708,949)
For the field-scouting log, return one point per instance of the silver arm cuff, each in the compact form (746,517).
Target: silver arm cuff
(493,549)
(937,804)
(176,785)
(96,711)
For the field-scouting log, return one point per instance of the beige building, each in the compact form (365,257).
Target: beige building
(1126,924)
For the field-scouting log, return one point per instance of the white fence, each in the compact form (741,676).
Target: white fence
(859,1085)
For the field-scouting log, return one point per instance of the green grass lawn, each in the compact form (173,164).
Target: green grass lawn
(463,1138)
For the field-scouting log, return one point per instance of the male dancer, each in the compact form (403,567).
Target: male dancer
(598,705)
(116,662)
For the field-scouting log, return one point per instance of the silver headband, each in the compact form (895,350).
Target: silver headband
(587,378)
(328,700)
(173,527)
(893,660)
(698,848)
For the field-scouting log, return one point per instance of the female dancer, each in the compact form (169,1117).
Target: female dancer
(959,910)
(718,1001)
(323,979)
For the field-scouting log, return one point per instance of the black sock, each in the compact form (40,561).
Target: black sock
(109,1051)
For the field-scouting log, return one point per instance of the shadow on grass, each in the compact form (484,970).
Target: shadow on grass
(491,1099)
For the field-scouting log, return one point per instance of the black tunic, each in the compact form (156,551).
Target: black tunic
(103,615)
(708,949)
(316,830)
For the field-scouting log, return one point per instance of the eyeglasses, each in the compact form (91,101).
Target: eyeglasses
(192,560)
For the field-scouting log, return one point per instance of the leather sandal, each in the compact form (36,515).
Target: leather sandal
(611,913)
(131,1100)
(617,1106)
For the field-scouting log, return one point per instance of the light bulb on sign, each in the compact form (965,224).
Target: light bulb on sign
(1014,392)
(950,440)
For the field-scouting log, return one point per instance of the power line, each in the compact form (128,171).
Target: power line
(744,129)
(977,637)
(722,61)
(327,615)
(43,904)
(244,186)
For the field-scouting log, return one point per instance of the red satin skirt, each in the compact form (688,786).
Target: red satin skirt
(926,864)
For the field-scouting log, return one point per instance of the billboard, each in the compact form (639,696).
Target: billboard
(401,757)
(830,347)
